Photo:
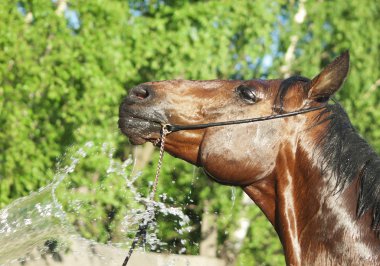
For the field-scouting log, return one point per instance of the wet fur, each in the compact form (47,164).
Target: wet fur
(349,157)
(345,154)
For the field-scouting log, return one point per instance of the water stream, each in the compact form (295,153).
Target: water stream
(49,220)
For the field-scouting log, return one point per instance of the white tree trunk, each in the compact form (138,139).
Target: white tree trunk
(299,18)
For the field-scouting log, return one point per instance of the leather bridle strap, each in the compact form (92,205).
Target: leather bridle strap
(174,128)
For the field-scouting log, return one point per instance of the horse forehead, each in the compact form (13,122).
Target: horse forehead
(195,84)
(270,84)
(214,84)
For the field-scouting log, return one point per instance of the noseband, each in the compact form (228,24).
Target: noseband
(174,128)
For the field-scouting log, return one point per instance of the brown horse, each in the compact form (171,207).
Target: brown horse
(313,176)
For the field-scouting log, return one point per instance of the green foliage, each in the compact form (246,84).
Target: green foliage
(97,202)
(259,247)
(61,84)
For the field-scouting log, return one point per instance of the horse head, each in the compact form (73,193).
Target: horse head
(236,155)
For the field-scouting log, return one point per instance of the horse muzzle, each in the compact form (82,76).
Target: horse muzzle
(138,119)
(138,130)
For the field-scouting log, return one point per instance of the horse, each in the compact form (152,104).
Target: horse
(293,151)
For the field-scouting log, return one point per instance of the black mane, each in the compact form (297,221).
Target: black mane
(348,156)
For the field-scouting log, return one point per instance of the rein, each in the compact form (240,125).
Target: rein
(174,128)
(141,232)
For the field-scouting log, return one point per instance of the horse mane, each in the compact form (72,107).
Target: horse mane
(344,153)
(349,157)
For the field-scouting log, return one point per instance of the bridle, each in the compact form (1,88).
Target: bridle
(279,99)
(174,128)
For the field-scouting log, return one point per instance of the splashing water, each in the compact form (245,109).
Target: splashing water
(52,218)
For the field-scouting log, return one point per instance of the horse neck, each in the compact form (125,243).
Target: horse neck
(315,225)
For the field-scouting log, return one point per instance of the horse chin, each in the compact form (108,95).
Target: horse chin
(139,130)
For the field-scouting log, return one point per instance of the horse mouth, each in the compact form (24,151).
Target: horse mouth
(139,129)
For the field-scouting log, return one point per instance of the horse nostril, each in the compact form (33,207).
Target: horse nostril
(141,92)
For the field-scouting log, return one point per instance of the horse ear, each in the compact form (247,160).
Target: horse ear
(326,83)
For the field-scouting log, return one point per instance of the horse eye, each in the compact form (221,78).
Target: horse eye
(247,94)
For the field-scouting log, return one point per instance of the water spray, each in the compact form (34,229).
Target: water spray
(141,232)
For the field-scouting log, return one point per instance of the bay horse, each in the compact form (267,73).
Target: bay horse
(301,161)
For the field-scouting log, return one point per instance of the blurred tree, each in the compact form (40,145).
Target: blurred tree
(317,31)
(64,66)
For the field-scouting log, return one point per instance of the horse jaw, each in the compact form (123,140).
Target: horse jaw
(234,155)
(185,145)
